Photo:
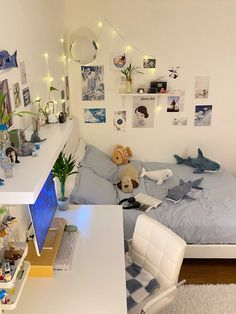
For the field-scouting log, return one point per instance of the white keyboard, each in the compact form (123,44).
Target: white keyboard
(66,250)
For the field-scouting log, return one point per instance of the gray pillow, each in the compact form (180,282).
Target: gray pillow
(100,163)
(92,189)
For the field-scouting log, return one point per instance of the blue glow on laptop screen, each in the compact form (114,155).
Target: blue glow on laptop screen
(43,210)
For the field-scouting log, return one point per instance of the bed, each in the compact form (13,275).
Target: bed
(207,224)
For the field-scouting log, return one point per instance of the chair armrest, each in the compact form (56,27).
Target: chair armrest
(161,295)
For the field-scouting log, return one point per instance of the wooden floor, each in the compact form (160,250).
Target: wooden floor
(208,271)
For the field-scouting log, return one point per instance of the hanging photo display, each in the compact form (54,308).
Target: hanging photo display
(201,87)
(16,94)
(203,114)
(119,60)
(143,111)
(175,102)
(149,63)
(182,121)
(94,115)
(26,96)
(92,82)
(7,103)
(23,76)
(119,121)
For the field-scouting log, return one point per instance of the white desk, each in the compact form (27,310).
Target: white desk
(96,283)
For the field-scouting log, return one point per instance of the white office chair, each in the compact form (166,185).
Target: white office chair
(160,251)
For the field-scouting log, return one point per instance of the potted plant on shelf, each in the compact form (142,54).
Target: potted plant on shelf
(129,72)
(62,169)
(5,118)
(48,111)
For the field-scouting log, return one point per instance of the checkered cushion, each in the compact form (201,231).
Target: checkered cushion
(139,283)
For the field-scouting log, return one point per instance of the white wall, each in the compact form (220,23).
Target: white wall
(32,28)
(197,36)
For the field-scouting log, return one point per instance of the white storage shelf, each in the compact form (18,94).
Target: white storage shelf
(15,296)
(31,173)
(17,246)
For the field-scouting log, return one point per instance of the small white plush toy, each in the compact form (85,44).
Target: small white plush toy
(158,175)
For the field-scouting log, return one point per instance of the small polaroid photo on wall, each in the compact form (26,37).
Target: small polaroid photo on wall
(182,121)
(119,121)
(26,96)
(16,94)
(149,63)
(201,87)
(203,115)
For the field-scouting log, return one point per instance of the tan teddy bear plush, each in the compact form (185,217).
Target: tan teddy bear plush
(121,155)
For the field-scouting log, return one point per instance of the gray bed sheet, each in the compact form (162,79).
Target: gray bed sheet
(211,218)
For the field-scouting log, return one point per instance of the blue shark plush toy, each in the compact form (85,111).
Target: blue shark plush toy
(201,164)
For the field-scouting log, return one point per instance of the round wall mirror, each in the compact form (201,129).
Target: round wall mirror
(83,47)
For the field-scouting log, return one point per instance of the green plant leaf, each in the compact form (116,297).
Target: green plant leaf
(53,88)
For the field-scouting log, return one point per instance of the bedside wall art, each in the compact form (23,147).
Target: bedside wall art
(203,115)
(143,111)
(201,87)
(182,121)
(119,121)
(92,83)
(23,75)
(94,115)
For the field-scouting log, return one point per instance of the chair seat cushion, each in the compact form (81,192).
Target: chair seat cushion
(139,283)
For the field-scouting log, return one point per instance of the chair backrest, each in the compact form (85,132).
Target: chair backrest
(158,250)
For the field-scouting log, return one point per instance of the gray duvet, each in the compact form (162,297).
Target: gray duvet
(211,218)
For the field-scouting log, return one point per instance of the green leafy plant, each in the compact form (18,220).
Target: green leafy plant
(5,117)
(62,169)
(130,71)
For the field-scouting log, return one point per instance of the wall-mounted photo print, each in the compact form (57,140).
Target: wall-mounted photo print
(203,114)
(92,82)
(149,63)
(119,60)
(7,103)
(94,115)
(175,102)
(119,121)
(16,94)
(26,96)
(23,76)
(182,121)
(201,87)
(143,111)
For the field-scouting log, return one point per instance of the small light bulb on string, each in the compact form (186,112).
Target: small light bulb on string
(99,24)
(63,79)
(62,40)
(128,48)
(68,59)
(46,55)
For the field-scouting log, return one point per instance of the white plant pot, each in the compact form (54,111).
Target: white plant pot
(63,204)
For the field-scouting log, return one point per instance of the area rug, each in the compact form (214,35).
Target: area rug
(204,299)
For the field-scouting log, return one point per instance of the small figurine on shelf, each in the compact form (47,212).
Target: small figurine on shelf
(12,154)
